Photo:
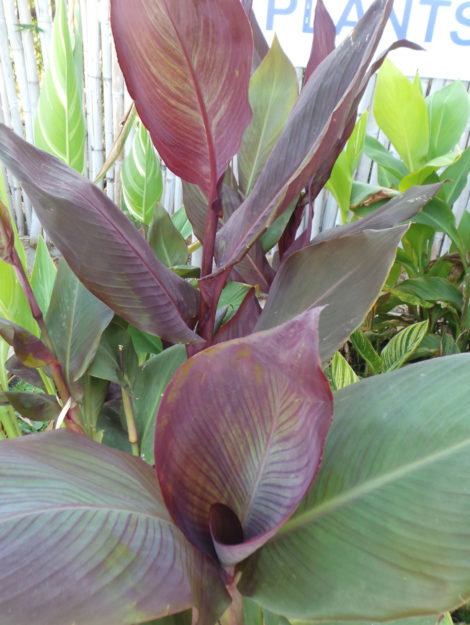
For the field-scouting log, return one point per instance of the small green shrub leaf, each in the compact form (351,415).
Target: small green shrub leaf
(403,345)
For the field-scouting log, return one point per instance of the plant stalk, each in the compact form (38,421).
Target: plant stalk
(130,422)
(74,418)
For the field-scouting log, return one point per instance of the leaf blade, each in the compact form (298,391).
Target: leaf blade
(382,517)
(188,73)
(120,267)
(124,547)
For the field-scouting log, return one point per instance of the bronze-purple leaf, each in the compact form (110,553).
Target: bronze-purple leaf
(104,250)
(187,65)
(324,35)
(241,427)
(85,538)
(30,350)
(312,137)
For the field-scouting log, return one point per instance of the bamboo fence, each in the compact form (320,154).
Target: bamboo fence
(25,30)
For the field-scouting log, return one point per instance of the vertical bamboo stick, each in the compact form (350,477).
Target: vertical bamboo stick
(44,19)
(11,112)
(93,85)
(107,62)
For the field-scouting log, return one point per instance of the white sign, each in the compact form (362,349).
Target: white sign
(442,27)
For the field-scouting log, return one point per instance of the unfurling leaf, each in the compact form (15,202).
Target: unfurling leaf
(239,437)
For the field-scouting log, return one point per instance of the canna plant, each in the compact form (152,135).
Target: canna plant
(242,508)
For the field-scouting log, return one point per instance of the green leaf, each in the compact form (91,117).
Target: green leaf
(75,321)
(439,216)
(76,514)
(182,223)
(357,264)
(231,298)
(150,385)
(43,276)
(378,153)
(59,127)
(383,532)
(448,110)
(403,345)
(274,88)
(167,243)
(145,343)
(456,176)
(341,179)
(428,290)
(342,373)
(141,176)
(401,113)
(116,359)
(364,348)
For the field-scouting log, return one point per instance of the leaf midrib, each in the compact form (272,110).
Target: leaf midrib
(369,486)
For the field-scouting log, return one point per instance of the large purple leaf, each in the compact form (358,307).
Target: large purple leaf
(312,138)
(239,437)
(101,246)
(86,539)
(187,65)
(324,35)
(345,274)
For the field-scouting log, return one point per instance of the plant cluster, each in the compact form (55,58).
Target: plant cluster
(240,507)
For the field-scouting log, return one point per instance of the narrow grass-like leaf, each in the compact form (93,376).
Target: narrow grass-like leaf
(391,500)
(141,177)
(403,345)
(187,66)
(273,411)
(77,515)
(273,92)
(342,374)
(75,321)
(120,267)
(60,127)
(358,265)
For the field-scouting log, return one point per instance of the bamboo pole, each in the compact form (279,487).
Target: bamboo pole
(91,39)
(44,19)
(107,69)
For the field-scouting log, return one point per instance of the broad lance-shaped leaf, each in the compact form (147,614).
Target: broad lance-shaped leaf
(60,127)
(240,434)
(34,406)
(383,533)
(141,177)
(86,539)
(312,138)
(345,274)
(187,66)
(101,246)
(273,91)
(75,321)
